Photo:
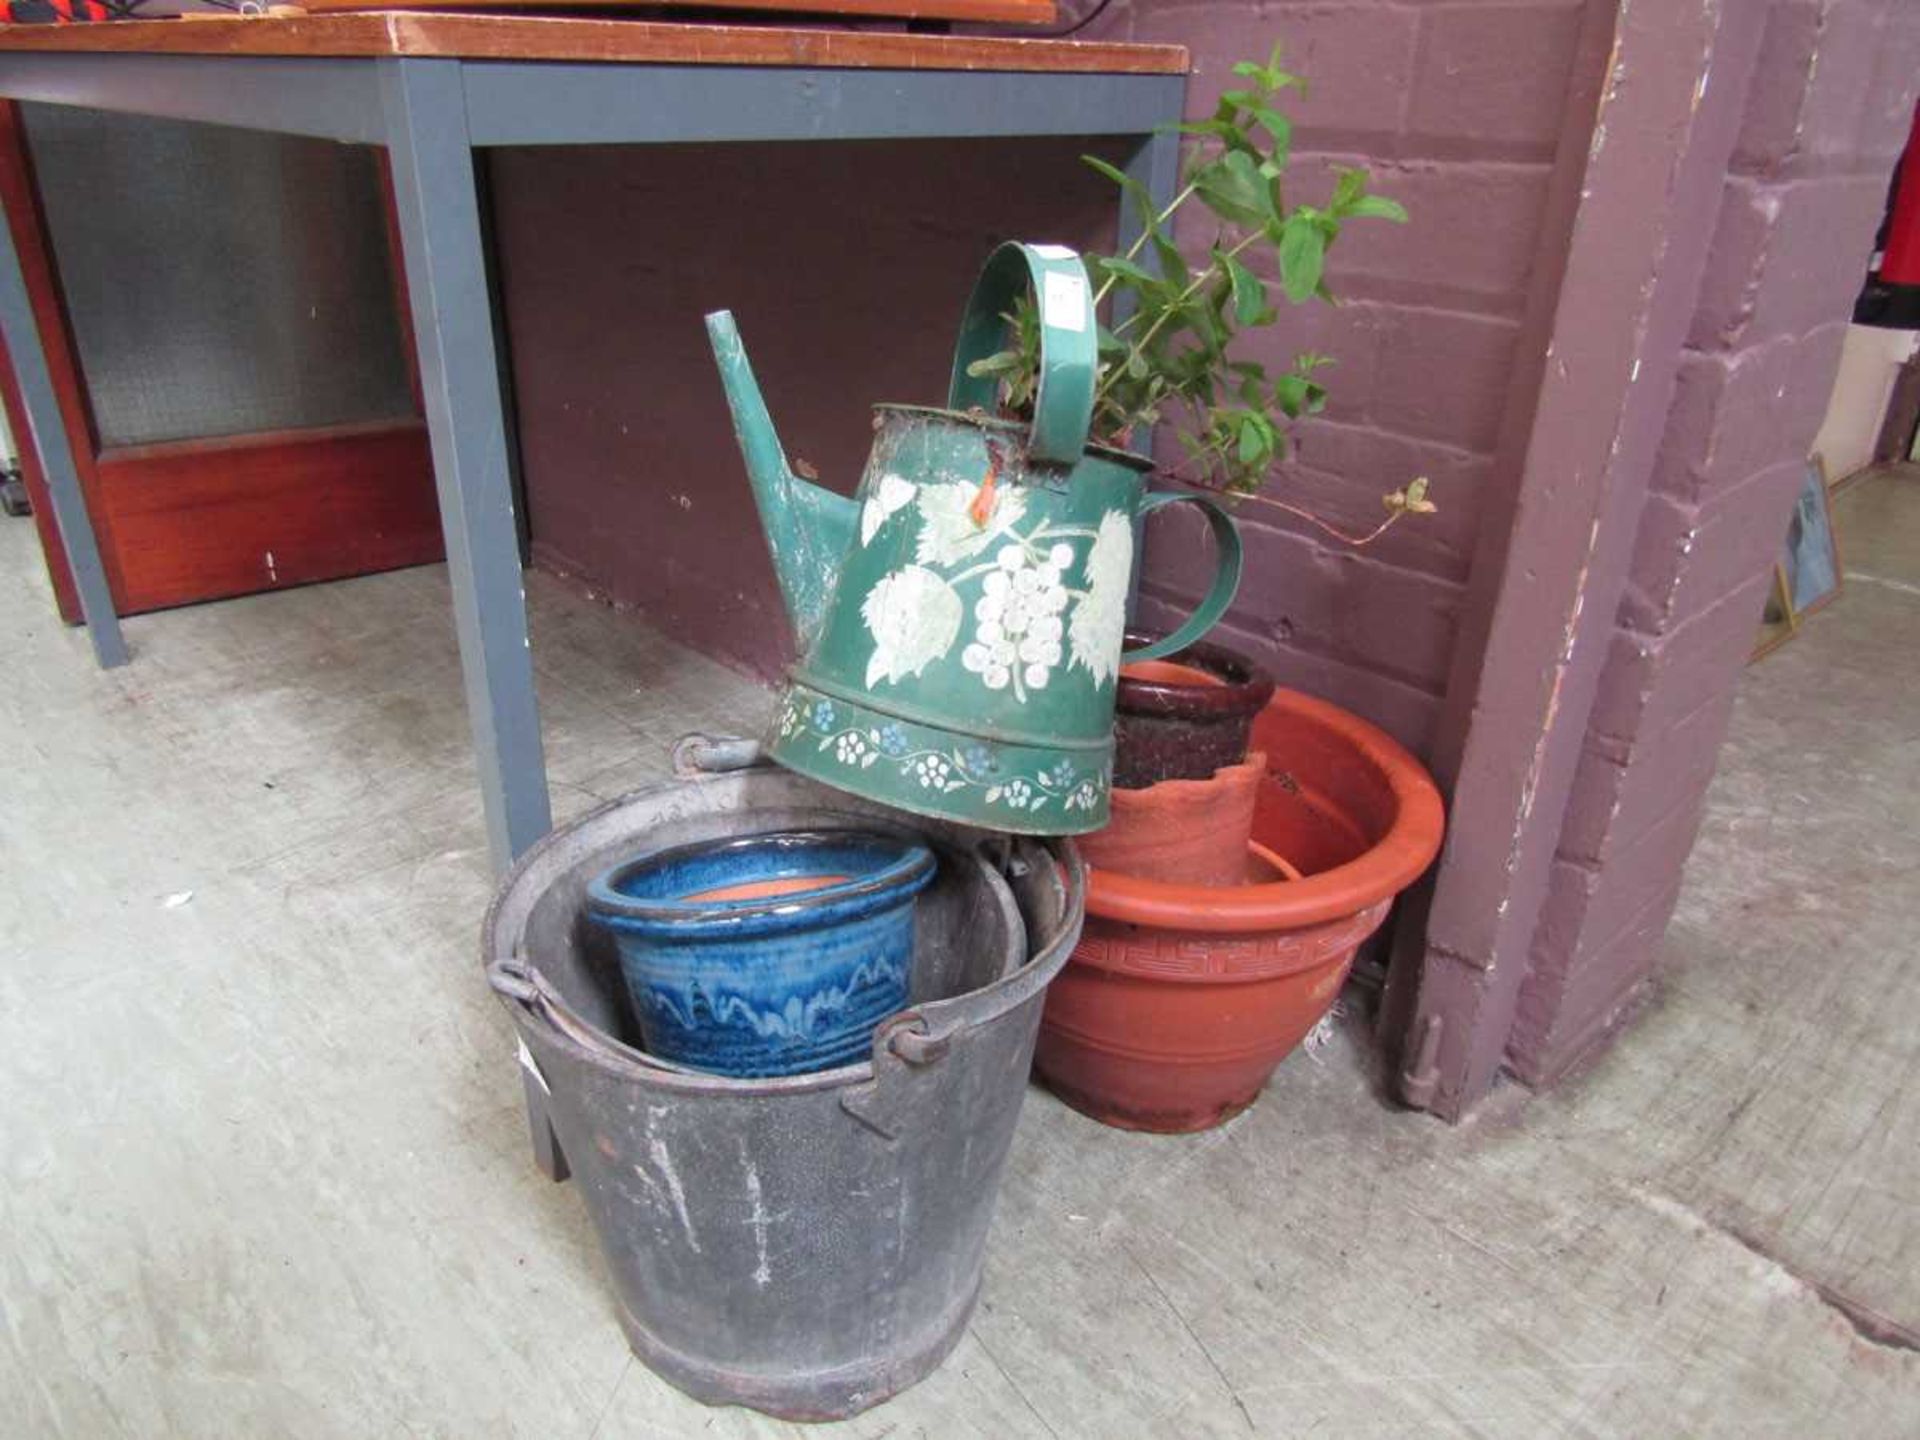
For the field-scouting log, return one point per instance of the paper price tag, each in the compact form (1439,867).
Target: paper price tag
(1066,301)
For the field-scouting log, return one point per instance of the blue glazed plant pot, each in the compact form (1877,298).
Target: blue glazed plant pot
(768,954)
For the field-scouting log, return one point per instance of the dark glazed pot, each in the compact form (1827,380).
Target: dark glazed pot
(1186,716)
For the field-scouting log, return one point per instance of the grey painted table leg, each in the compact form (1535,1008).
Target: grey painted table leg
(453,327)
(1156,165)
(49,440)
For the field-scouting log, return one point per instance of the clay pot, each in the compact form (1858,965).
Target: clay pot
(1191,832)
(1181,999)
(1184,717)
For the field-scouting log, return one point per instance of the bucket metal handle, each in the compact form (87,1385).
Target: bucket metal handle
(513,981)
(1069,344)
(696,755)
(908,1048)
(903,1044)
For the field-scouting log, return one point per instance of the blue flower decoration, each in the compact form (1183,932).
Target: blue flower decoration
(893,740)
(822,715)
(979,760)
(1059,777)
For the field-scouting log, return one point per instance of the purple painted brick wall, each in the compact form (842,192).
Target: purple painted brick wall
(1826,116)
(1457,109)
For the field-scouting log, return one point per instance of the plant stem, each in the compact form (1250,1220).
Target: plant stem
(1146,234)
(1307,515)
(1199,281)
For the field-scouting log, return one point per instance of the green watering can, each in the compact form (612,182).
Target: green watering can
(959,621)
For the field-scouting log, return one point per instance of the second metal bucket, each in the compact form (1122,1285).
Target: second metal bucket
(808,1245)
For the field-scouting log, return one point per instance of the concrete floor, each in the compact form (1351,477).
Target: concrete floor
(265,1171)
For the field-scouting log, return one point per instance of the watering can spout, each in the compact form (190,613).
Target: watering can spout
(808,528)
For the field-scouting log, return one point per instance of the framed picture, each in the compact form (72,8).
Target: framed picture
(1807,575)
(1812,559)
(1776,623)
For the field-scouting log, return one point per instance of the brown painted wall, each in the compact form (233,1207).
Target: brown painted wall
(847,264)
(1826,116)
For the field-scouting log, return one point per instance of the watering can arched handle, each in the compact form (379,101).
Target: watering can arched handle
(1069,344)
(1228,559)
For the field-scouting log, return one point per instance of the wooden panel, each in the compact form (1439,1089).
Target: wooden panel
(1011,12)
(65,598)
(501,37)
(202,519)
(22,203)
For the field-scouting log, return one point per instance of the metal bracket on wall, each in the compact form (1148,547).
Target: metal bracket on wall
(1420,1081)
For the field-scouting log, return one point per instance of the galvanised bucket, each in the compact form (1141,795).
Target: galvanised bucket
(808,1245)
(959,621)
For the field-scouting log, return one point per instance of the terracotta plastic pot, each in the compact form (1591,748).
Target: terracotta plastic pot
(1181,999)
(1185,717)
(1191,832)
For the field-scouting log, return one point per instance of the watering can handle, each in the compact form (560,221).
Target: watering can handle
(1069,344)
(1226,575)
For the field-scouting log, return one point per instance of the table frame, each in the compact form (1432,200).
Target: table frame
(432,114)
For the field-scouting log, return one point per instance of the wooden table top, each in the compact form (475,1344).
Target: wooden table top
(521,37)
(991,12)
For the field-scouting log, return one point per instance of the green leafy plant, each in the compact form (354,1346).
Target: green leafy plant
(1169,355)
